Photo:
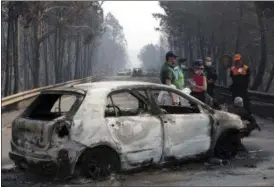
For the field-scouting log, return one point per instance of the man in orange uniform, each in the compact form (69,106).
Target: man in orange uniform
(240,75)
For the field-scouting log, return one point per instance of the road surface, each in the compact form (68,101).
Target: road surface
(254,169)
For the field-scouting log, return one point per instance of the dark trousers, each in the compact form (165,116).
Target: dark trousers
(244,95)
(199,95)
(210,89)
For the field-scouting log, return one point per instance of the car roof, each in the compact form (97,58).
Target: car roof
(63,89)
(110,85)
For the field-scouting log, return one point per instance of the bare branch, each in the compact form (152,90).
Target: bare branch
(45,36)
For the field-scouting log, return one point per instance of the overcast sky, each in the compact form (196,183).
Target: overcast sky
(138,23)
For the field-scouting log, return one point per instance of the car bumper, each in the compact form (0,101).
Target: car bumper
(42,163)
(34,165)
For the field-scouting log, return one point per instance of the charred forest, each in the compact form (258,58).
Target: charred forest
(49,42)
(194,30)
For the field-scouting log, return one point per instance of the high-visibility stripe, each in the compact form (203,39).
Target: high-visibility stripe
(236,71)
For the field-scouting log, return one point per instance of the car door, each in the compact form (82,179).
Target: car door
(137,131)
(186,128)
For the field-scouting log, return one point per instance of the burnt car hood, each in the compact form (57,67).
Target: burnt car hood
(228,120)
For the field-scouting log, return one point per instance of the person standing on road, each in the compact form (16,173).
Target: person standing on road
(240,75)
(179,75)
(167,73)
(211,76)
(199,86)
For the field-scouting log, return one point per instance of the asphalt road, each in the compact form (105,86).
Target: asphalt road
(254,169)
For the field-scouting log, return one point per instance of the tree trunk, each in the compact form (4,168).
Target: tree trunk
(45,47)
(16,48)
(61,56)
(261,70)
(26,62)
(201,41)
(77,54)
(223,70)
(191,58)
(239,28)
(186,48)
(81,62)
(57,54)
(211,46)
(51,49)
(60,51)
(68,69)
(36,63)
(197,47)
(9,56)
(269,83)
(90,62)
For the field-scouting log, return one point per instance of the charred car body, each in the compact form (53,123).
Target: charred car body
(113,126)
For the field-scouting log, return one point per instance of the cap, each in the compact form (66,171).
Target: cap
(237,57)
(170,54)
(198,64)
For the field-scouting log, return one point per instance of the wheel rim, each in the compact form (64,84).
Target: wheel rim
(99,171)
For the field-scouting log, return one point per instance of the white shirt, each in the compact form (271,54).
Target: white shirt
(165,99)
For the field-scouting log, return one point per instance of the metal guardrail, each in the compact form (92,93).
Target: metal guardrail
(253,95)
(265,101)
(262,104)
(12,99)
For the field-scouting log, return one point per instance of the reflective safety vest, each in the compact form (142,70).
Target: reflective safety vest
(239,70)
(179,81)
(174,75)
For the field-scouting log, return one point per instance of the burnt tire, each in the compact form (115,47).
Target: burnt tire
(99,163)
(228,145)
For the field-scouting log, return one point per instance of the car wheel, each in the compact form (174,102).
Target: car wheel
(99,164)
(228,145)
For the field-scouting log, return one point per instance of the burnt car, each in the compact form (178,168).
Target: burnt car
(137,72)
(112,126)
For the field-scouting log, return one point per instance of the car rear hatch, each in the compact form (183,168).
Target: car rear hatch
(31,134)
(33,129)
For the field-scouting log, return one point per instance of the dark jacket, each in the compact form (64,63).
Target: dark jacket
(167,72)
(211,73)
(242,112)
(240,80)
